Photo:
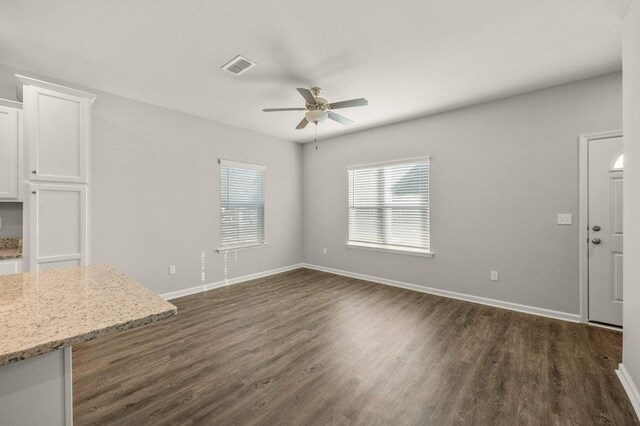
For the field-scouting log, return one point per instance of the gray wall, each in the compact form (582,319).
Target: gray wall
(11,214)
(500,173)
(155,193)
(631,308)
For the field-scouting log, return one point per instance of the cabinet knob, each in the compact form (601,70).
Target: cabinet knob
(35,172)
(33,192)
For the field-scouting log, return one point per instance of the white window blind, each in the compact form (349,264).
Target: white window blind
(241,204)
(389,205)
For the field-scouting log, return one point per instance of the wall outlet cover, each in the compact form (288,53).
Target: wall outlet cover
(494,275)
(564,219)
(172,269)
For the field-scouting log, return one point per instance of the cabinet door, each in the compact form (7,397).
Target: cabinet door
(11,266)
(57,226)
(57,135)
(9,149)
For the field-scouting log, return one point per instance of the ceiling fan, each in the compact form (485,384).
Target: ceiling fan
(319,109)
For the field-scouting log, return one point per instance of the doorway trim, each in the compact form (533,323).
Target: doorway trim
(583,214)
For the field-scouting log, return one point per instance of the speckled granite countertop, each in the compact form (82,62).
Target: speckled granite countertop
(10,248)
(44,311)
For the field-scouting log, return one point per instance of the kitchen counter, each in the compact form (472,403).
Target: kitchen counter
(42,312)
(10,248)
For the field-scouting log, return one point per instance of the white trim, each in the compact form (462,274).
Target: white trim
(241,247)
(565,316)
(11,104)
(68,386)
(389,249)
(583,214)
(629,387)
(228,281)
(241,165)
(28,81)
(607,326)
(426,158)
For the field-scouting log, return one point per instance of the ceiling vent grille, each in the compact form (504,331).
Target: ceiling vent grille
(238,65)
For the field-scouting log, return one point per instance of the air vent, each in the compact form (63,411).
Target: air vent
(238,65)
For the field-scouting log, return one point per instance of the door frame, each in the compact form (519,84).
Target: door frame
(583,214)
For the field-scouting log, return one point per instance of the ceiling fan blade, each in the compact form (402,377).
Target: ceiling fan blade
(340,119)
(283,109)
(307,95)
(350,103)
(302,124)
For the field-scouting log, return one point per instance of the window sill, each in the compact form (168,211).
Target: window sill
(390,249)
(240,247)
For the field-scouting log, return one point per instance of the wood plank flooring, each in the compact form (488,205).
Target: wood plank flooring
(307,347)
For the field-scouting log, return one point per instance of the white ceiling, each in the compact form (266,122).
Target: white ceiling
(408,58)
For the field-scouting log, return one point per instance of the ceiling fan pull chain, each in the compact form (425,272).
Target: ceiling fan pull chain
(316,137)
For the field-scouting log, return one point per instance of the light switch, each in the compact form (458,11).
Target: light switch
(564,218)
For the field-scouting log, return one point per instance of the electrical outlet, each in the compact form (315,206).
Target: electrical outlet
(172,269)
(324,250)
(494,275)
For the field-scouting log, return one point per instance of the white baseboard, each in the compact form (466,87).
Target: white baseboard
(565,316)
(228,281)
(430,290)
(629,387)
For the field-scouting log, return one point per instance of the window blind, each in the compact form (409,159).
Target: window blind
(241,204)
(389,205)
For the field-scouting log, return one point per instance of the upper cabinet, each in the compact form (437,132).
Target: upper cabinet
(10,146)
(56,131)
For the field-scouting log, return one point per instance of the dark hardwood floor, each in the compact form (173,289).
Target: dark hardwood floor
(306,347)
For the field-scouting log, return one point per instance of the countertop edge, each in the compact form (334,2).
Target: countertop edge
(54,345)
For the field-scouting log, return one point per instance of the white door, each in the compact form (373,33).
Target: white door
(605,230)
(9,147)
(57,135)
(57,226)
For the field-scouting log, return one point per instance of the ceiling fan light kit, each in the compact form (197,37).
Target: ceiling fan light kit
(319,109)
(316,115)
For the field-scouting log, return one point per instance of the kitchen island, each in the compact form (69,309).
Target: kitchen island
(42,314)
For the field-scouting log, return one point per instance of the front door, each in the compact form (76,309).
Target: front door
(605,230)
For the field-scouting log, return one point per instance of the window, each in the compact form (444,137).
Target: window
(241,204)
(618,163)
(389,206)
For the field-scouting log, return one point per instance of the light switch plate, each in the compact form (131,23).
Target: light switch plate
(564,219)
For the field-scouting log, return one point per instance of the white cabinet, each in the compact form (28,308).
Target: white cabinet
(57,226)
(10,266)
(10,146)
(57,132)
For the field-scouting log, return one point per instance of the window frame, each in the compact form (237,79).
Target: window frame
(389,248)
(250,166)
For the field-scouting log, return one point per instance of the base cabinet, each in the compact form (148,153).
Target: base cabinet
(10,266)
(37,391)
